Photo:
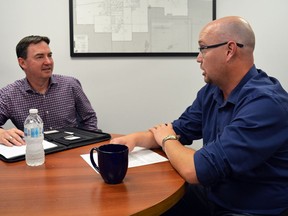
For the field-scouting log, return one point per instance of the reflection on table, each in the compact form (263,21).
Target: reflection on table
(67,185)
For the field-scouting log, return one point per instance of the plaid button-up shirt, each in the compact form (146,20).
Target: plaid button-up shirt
(63,105)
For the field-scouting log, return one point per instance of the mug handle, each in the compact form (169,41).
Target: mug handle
(92,158)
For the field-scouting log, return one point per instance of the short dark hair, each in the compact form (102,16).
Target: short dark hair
(21,48)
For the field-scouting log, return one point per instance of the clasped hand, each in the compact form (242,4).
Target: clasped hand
(161,131)
(147,139)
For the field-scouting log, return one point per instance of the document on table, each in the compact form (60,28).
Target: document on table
(138,157)
(13,151)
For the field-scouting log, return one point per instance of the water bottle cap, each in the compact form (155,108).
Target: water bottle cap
(33,111)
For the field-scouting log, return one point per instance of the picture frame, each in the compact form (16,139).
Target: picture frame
(101,28)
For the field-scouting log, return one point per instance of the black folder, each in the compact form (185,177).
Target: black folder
(66,138)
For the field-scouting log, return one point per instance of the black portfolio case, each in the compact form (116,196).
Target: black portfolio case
(66,138)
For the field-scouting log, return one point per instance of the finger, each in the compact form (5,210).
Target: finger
(166,125)
(5,142)
(122,142)
(10,138)
(169,124)
(17,137)
(117,140)
(15,140)
(20,133)
(16,133)
(18,142)
(162,125)
(153,129)
(113,141)
(157,126)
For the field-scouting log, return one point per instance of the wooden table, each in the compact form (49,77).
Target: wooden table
(67,185)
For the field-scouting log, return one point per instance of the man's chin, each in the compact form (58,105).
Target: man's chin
(206,80)
(48,72)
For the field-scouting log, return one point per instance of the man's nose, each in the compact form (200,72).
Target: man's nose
(48,60)
(199,57)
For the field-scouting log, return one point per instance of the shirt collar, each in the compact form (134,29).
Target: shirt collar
(218,95)
(28,88)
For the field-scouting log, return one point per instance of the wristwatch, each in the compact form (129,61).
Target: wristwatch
(169,137)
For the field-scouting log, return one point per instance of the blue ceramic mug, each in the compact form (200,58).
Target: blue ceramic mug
(112,162)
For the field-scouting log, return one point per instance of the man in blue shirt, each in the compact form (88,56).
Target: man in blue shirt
(242,116)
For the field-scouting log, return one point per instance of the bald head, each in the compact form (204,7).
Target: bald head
(232,28)
(227,52)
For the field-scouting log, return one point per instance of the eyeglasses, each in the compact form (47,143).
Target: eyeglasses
(201,48)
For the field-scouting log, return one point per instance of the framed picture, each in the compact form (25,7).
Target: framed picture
(101,28)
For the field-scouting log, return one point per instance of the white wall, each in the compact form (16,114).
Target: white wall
(131,94)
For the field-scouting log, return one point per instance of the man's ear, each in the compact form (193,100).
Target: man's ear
(231,50)
(21,62)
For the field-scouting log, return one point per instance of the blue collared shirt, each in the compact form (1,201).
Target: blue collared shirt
(244,160)
(63,105)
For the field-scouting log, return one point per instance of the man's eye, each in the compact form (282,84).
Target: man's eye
(201,48)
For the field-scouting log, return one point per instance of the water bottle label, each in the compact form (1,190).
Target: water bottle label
(34,132)
(27,132)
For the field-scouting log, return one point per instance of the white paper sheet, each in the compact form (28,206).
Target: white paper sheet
(10,152)
(138,157)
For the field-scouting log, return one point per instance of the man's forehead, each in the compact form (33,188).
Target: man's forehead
(207,34)
(203,36)
(39,48)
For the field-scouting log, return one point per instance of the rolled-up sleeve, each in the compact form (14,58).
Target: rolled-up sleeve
(251,145)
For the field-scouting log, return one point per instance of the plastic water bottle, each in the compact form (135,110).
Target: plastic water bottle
(33,130)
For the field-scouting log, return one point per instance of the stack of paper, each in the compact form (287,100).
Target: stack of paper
(138,157)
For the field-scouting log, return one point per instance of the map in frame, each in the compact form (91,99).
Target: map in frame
(137,27)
